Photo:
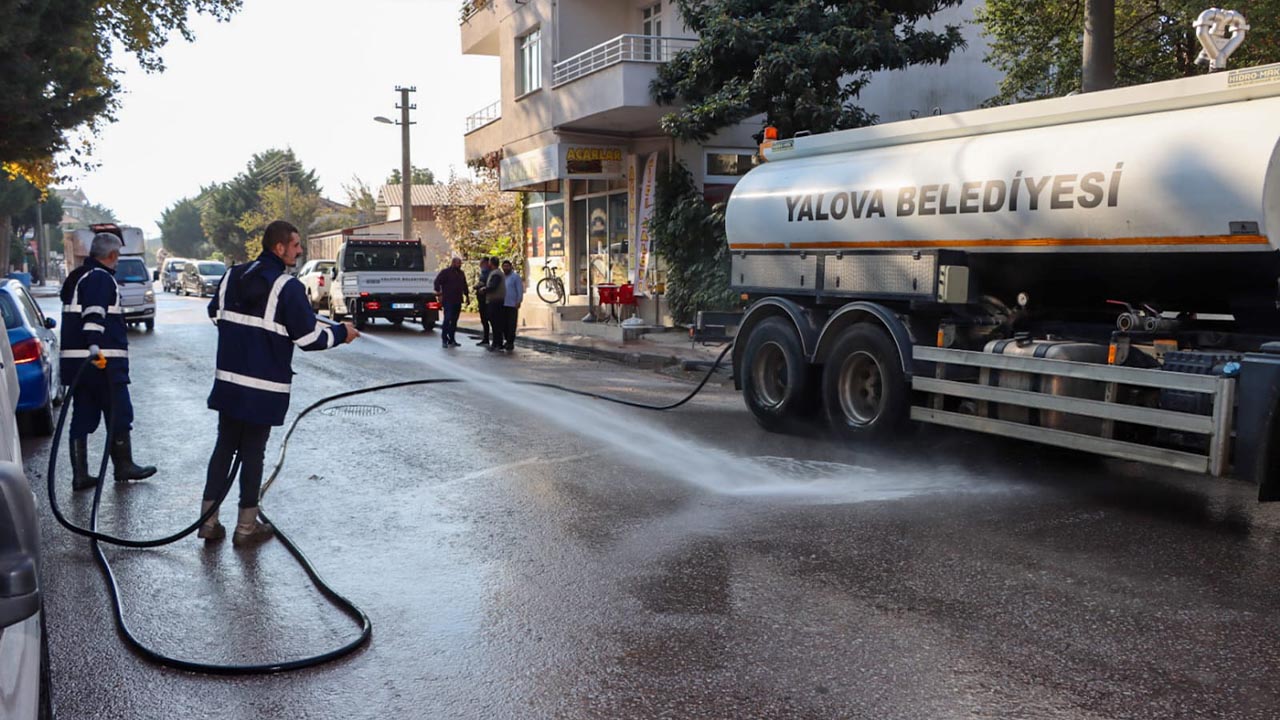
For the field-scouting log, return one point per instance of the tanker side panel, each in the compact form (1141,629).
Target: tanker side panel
(1138,206)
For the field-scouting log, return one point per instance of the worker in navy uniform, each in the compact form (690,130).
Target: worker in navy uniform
(262,312)
(93,332)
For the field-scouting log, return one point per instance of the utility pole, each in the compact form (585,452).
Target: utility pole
(406,170)
(42,252)
(1099,68)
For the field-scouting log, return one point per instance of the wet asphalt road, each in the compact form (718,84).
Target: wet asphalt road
(532,556)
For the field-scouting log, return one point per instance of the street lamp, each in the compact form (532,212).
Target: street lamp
(406,177)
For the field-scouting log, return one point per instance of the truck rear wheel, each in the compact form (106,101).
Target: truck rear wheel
(864,390)
(775,375)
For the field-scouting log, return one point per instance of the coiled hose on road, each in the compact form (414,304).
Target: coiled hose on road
(337,599)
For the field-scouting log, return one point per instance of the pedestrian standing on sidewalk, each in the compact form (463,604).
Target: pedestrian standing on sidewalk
(93,332)
(495,291)
(451,289)
(261,312)
(511,304)
(485,321)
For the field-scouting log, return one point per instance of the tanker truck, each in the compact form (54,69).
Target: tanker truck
(1098,272)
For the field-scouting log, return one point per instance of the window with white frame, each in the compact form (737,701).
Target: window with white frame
(528,62)
(728,165)
(651,20)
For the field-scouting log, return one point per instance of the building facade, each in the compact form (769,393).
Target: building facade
(575,128)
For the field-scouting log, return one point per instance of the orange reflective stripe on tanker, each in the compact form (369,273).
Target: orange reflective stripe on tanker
(1012,242)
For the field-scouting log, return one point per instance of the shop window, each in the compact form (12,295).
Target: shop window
(528,63)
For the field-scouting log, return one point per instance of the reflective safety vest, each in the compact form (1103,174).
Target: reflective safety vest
(262,312)
(92,315)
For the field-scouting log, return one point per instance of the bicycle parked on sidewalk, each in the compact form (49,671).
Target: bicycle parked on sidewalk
(551,287)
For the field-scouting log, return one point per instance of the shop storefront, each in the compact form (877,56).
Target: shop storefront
(586,206)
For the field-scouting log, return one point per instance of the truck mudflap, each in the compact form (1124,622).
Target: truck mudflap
(1257,457)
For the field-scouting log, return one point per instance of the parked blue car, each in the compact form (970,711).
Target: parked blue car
(35,356)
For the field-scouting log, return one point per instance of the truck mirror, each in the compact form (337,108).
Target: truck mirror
(333,273)
(155,274)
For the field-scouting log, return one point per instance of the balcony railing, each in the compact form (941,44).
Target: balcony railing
(480,118)
(471,7)
(624,48)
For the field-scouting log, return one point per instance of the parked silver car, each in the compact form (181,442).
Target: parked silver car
(24,649)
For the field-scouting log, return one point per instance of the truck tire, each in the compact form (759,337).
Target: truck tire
(775,375)
(864,390)
(149,324)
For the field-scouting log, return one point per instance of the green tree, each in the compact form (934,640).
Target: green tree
(801,63)
(364,205)
(221,207)
(49,211)
(53,80)
(98,213)
(421,176)
(60,73)
(301,210)
(1038,45)
(180,230)
(689,234)
(224,206)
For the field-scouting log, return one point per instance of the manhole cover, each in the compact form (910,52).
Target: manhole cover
(356,410)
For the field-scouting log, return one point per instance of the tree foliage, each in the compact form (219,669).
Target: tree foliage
(180,230)
(689,234)
(421,176)
(53,78)
(479,220)
(300,209)
(231,210)
(98,213)
(801,63)
(18,201)
(60,73)
(1038,45)
(364,206)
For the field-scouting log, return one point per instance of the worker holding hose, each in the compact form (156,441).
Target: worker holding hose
(261,312)
(93,331)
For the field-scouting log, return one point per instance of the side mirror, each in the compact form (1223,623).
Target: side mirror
(155,274)
(334,273)
(50,323)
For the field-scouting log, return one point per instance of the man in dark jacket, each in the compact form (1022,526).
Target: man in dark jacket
(93,332)
(261,312)
(495,293)
(451,289)
(486,322)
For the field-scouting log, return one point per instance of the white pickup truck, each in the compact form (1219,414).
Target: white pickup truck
(383,279)
(137,293)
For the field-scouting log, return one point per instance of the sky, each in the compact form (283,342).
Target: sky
(286,73)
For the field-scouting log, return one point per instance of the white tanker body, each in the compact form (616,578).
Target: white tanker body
(883,263)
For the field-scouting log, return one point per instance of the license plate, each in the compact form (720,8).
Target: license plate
(401,306)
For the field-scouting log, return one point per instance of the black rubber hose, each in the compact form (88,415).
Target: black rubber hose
(347,607)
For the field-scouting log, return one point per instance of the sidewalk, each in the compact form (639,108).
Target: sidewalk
(671,349)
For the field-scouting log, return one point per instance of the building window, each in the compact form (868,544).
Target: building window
(726,166)
(651,25)
(544,225)
(528,62)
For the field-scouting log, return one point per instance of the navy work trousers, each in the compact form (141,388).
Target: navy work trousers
(451,312)
(250,441)
(497,319)
(97,397)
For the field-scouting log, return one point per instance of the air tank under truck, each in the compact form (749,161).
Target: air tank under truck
(1099,272)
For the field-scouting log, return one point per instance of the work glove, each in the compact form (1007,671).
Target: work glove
(97,358)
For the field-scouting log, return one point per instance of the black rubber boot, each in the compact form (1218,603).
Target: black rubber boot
(80,477)
(122,460)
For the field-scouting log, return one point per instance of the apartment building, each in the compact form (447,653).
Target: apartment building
(575,128)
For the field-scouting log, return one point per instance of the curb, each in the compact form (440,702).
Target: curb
(647,361)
